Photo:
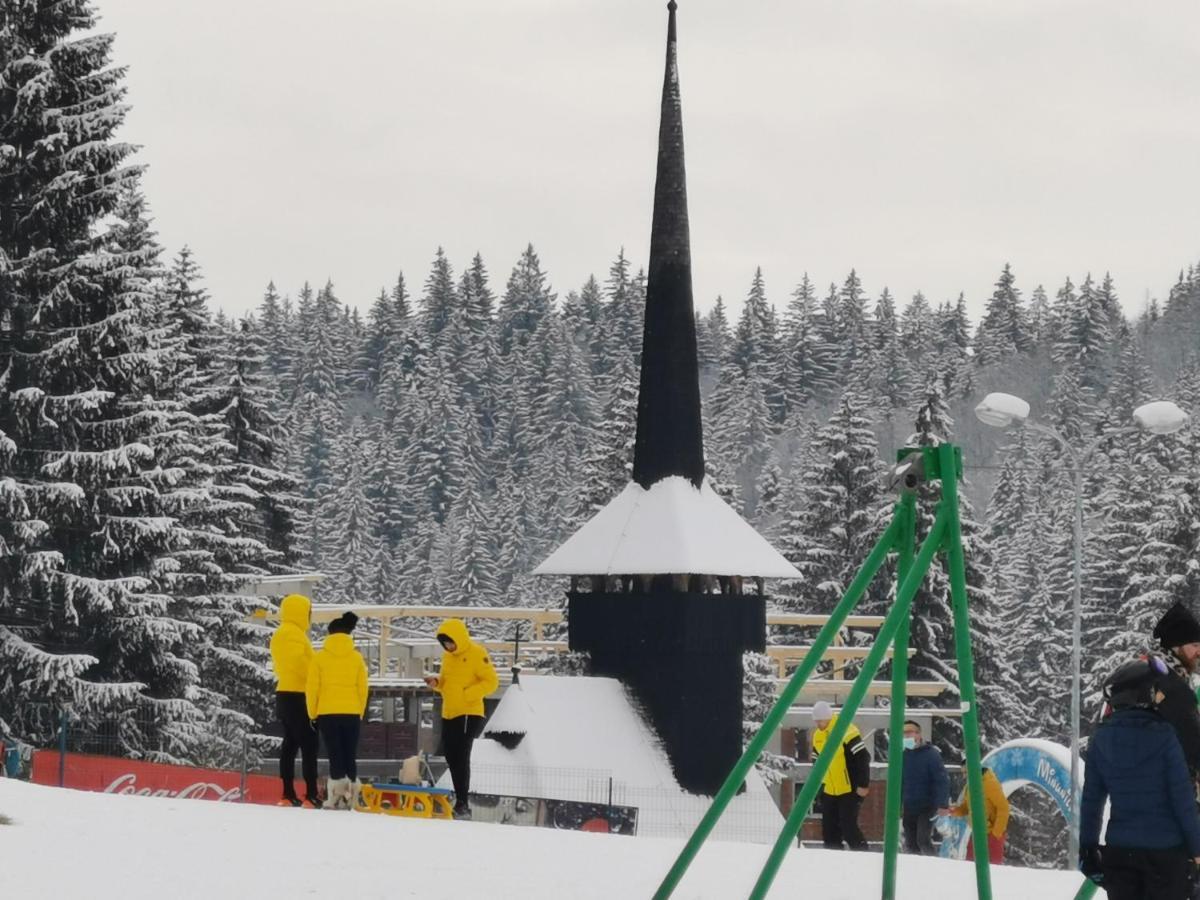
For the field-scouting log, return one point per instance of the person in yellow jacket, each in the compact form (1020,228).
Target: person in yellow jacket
(337,700)
(847,781)
(996,806)
(467,677)
(291,653)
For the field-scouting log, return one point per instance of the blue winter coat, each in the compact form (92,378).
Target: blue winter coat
(1136,762)
(926,785)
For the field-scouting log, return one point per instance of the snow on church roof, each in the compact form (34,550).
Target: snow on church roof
(672,528)
(579,732)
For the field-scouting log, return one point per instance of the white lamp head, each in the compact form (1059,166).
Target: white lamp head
(1160,417)
(1002,410)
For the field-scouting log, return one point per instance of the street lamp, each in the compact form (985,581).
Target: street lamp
(1160,417)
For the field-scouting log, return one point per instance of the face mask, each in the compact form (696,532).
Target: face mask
(910,743)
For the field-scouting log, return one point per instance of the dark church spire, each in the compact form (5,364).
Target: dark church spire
(669,438)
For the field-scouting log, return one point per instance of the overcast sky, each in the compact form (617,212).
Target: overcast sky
(925,143)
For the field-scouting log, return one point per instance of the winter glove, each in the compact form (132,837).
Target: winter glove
(1090,864)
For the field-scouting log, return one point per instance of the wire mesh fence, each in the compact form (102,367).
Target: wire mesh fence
(564,798)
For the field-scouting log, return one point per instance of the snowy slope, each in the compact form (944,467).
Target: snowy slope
(72,844)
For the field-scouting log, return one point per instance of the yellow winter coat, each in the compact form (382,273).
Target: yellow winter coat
(291,650)
(337,679)
(995,804)
(837,778)
(467,674)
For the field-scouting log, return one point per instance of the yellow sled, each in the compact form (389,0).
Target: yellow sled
(414,801)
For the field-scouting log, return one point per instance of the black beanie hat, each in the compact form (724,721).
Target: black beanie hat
(1177,627)
(343,624)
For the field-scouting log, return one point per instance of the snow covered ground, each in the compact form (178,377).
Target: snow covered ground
(71,844)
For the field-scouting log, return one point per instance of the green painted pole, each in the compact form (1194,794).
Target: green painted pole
(833,744)
(907,511)
(775,717)
(949,465)
(1088,890)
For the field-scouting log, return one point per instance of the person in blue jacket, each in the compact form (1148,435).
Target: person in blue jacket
(1136,763)
(926,790)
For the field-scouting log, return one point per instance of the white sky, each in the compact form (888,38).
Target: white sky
(924,142)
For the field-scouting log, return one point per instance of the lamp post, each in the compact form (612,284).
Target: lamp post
(1160,417)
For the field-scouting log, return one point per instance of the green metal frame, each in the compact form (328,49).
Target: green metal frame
(942,463)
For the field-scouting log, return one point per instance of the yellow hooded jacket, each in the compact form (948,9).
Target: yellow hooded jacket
(337,679)
(291,650)
(995,805)
(467,674)
(839,778)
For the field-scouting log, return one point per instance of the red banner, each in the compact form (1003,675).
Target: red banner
(111,775)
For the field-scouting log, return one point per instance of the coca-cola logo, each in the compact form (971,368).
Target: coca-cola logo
(200,790)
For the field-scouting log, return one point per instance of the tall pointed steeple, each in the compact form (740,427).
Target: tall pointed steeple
(669,436)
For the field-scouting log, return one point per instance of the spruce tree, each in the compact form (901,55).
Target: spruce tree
(84,530)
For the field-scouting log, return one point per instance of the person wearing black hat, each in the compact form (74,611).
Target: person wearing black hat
(1135,763)
(1178,634)
(337,701)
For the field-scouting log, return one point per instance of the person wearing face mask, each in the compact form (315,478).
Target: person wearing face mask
(1136,764)
(925,793)
(1178,634)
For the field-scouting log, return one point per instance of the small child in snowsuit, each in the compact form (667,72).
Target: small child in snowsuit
(1135,761)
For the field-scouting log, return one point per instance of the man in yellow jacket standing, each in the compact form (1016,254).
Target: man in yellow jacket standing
(291,654)
(847,781)
(337,699)
(467,677)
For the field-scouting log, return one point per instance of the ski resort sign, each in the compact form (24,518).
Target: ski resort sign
(112,775)
(1042,764)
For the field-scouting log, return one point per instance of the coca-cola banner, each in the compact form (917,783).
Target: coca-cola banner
(111,775)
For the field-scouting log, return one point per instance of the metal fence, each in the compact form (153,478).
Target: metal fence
(545,796)
(560,797)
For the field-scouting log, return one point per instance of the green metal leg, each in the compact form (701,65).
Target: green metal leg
(775,717)
(907,512)
(887,634)
(966,671)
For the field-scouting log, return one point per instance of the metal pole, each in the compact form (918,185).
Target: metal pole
(775,717)
(1076,632)
(245,765)
(949,459)
(1078,461)
(62,749)
(833,744)
(907,512)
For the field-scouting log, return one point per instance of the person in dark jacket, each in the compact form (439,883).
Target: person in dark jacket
(1135,762)
(1178,633)
(846,784)
(926,791)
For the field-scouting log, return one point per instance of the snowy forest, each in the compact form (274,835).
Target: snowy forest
(436,442)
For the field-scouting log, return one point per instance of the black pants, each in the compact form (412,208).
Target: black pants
(298,734)
(458,734)
(341,743)
(918,831)
(1131,874)
(839,821)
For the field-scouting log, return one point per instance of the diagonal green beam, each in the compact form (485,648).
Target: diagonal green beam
(775,717)
(887,634)
(907,511)
(966,671)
